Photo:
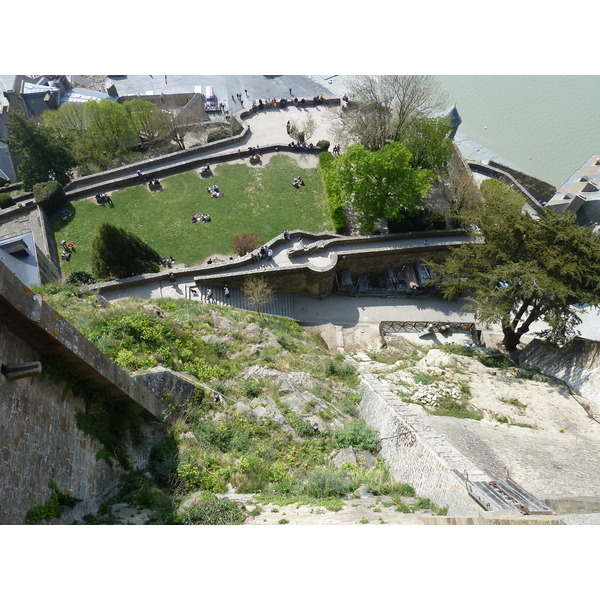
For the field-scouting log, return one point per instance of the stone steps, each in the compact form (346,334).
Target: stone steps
(283,305)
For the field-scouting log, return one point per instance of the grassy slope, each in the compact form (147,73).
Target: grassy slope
(256,200)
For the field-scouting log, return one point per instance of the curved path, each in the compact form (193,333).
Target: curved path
(310,310)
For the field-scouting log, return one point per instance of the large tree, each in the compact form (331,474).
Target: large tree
(151,123)
(382,107)
(381,184)
(42,156)
(524,268)
(426,139)
(119,253)
(101,134)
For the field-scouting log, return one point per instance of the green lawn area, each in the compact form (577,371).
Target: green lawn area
(257,200)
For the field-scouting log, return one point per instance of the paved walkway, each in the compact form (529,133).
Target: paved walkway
(336,309)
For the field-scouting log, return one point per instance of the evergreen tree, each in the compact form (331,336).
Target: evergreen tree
(118,253)
(42,156)
(524,268)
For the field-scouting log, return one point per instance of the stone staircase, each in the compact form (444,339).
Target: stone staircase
(283,304)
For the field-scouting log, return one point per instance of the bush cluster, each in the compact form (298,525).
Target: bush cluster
(211,510)
(357,434)
(50,195)
(247,242)
(5,200)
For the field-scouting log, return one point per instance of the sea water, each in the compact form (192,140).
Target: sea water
(544,125)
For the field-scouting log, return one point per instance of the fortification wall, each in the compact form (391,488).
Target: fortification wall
(40,440)
(415,453)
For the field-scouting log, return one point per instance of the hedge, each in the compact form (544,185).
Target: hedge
(6,200)
(50,195)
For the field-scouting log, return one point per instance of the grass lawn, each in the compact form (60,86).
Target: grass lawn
(257,200)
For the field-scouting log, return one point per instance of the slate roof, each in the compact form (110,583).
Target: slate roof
(7,170)
(22,263)
(581,193)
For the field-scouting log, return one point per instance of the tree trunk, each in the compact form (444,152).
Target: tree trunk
(511,339)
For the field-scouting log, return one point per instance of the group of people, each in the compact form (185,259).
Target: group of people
(298,181)
(69,248)
(209,294)
(264,253)
(205,170)
(336,150)
(268,103)
(103,199)
(66,214)
(299,146)
(167,262)
(152,181)
(200,218)
(214,191)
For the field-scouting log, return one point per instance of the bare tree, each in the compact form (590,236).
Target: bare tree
(257,292)
(186,120)
(462,192)
(303,132)
(382,107)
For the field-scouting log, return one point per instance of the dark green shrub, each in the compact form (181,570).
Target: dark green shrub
(223,132)
(302,426)
(251,388)
(52,508)
(163,461)
(218,133)
(324,144)
(350,404)
(80,278)
(50,195)
(5,200)
(357,434)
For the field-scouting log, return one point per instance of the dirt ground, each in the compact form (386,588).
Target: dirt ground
(533,430)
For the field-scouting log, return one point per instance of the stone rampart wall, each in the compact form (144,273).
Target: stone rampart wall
(39,437)
(416,454)
(40,442)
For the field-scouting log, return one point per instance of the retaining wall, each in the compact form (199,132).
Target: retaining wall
(576,363)
(39,437)
(416,454)
(320,279)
